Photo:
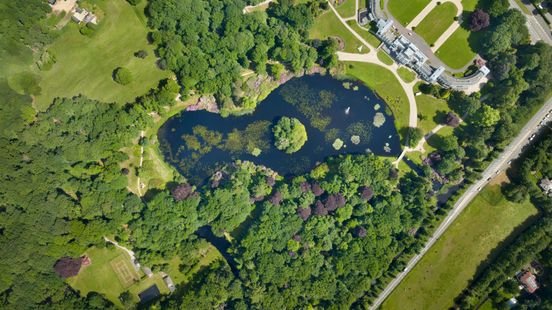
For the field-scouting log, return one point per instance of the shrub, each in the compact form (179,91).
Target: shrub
(122,76)
(141,54)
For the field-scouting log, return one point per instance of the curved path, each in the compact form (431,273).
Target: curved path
(372,57)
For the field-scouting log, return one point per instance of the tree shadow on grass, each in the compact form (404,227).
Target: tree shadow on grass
(495,252)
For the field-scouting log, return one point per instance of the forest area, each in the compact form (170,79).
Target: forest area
(330,238)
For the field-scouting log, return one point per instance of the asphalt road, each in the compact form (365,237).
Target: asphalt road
(538,29)
(512,151)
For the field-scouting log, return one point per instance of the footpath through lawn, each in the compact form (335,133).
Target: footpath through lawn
(452,262)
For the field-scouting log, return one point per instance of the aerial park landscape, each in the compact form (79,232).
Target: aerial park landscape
(290,154)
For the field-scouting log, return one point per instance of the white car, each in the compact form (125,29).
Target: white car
(532,137)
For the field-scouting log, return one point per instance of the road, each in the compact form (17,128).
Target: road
(538,29)
(512,151)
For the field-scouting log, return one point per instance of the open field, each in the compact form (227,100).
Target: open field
(405,11)
(85,64)
(328,25)
(432,111)
(454,260)
(384,83)
(110,274)
(436,22)
(346,9)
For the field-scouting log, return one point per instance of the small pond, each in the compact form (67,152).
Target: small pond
(197,143)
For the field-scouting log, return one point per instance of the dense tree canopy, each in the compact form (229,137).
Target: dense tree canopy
(289,135)
(207,43)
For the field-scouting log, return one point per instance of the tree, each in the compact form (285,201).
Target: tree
(452,120)
(289,135)
(486,116)
(479,20)
(498,7)
(141,54)
(414,136)
(122,76)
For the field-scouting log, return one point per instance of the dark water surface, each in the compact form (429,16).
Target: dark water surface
(319,102)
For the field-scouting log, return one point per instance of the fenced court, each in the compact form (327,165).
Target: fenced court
(127,276)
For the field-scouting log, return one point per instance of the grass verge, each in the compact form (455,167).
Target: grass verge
(406,74)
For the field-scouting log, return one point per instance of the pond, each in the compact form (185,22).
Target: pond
(339,117)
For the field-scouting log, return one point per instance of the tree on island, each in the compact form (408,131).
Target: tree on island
(289,135)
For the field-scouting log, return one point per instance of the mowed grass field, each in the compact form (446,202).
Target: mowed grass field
(452,262)
(405,10)
(436,22)
(85,64)
(328,25)
(432,110)
(101,275)
(111,273)
(384,83)
(462,46)
(347,8)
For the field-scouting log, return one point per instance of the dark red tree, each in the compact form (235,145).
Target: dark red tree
(319,208)
(360,232)
(331,203)
(366,193)
(305,187)
(304,213)
(297,238)
(317,190)
(67,267)
(452,120)
(479,20)
(276,198)
(270,181)
(182,192)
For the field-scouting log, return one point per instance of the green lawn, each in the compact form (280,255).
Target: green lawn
(383,57)
(101,277)
(436,22)
(406,74)
(405,10)
(452,262)
(462,46)
(432,111)
(456,52)
(384,83)
(85,64)
(347,8)
(365,34)
(328,25)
